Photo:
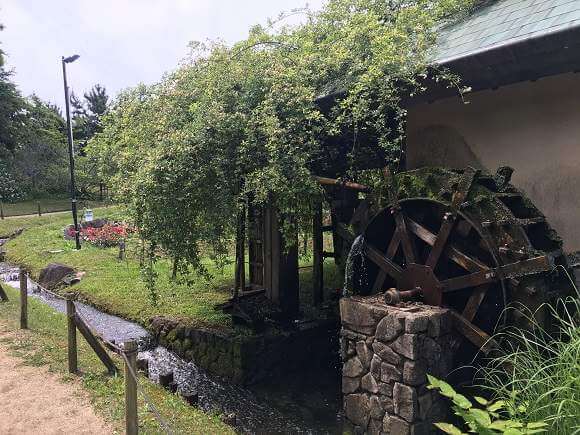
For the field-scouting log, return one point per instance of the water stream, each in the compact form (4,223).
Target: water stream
(305,402)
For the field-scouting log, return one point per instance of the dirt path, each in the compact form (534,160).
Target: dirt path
(34,401)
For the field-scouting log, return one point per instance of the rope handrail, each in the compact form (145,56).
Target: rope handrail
(121,351)
(118,349)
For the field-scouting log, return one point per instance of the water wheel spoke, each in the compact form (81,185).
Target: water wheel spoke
(459,196)
(391,251)
(474,301)
(487,276)
(406,242)
(455,254)
(474,334)
(440,241)
(386,264)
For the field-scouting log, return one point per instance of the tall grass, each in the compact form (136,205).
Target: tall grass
(537,372)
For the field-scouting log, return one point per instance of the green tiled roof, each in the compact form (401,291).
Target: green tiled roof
(502,23)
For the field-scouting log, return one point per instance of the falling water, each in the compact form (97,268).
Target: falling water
(355,266)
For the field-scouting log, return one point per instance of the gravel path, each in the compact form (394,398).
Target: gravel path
(34,401)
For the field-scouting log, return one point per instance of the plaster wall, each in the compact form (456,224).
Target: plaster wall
(533,127)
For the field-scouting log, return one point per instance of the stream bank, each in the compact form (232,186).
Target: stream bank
(299,402)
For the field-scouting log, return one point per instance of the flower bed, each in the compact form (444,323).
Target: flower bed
(106,235)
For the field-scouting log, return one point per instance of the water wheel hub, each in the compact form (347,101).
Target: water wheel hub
(420,276)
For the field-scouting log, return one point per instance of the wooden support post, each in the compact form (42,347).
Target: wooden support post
(131,418)
(317,255)
(72,335)
(240,267)
(3,295)
(38,207)
(23,277)
(95,345)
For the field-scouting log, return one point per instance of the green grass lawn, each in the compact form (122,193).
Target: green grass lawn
(47,205)
(116,286)
(45,343)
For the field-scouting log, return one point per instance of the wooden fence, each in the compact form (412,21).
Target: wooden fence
(75,322)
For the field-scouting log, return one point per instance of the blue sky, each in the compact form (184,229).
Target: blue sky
(121,42)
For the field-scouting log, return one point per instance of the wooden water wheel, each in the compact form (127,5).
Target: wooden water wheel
(460,239)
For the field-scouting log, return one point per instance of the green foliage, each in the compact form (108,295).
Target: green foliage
(485,420)
(538,371)
(12,115)
(240,123)
(40,163)
(87,113)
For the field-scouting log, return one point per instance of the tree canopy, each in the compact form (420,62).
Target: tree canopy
(240,123)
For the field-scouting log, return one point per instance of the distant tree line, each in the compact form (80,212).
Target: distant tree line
(33,142)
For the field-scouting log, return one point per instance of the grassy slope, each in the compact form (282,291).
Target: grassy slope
(116,286)
(47,205)
(45,344)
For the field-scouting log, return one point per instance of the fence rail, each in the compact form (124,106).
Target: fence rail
(76,322)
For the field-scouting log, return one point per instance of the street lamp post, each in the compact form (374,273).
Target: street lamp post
(66,60)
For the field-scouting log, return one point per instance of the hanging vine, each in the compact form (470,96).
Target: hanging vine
(177,151)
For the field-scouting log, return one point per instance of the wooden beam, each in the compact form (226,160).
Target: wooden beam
(474,301)
(462,259)
(346,184)
(513,270)
(95,345)
(317,255)
(406,242)
(386,264)
(391,251)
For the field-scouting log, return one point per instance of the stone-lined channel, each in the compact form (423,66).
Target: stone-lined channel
(303,402)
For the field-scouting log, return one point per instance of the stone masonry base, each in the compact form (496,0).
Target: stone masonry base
(387,352)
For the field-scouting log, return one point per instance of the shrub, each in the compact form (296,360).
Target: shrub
(490,418)
(542,381)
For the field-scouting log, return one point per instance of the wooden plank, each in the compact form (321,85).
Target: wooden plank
(513,270)
(317,258)
(390,253)
(473,333)
(95,345)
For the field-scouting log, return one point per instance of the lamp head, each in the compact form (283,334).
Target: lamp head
(70,59)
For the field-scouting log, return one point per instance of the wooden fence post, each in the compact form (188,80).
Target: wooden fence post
(23,277)
(131,419)
(1,210)
(38,206)
(72,335)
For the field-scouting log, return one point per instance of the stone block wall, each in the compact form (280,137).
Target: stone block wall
(387,352)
